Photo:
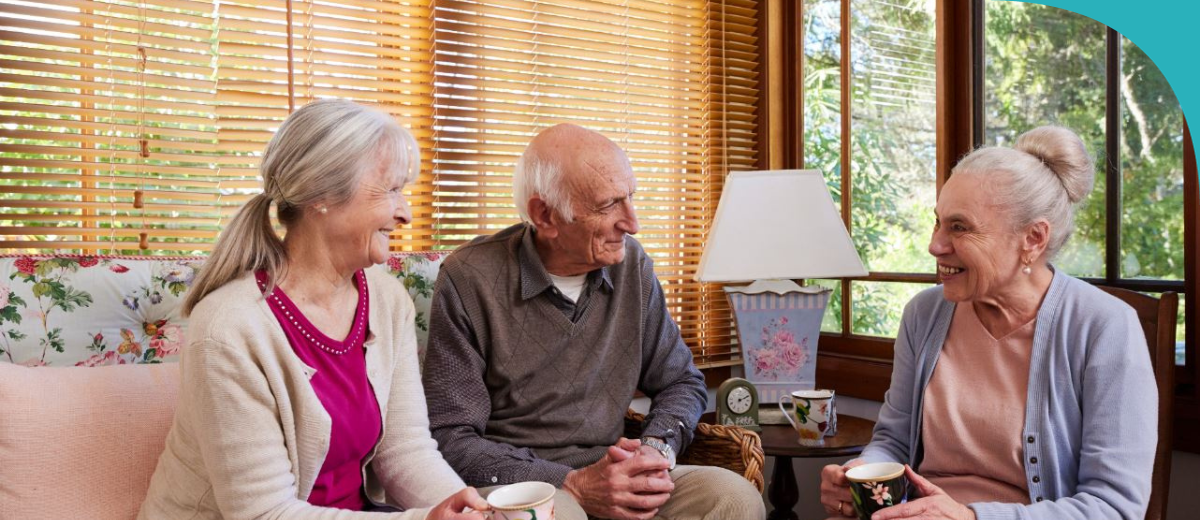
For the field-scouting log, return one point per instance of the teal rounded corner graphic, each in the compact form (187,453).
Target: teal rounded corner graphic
(1161,28)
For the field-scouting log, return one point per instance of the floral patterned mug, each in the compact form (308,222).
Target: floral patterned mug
(876,485)
(815,416)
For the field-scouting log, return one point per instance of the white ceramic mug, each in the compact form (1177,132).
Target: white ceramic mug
(814,416)
(522,501)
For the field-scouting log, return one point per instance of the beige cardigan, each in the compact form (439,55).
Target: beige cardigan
(250,434)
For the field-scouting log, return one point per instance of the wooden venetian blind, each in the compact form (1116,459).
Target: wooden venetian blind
(374,52)
(107,134)
(144,120)
(672,82)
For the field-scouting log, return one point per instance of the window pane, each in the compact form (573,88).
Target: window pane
(894,141)
(1152,170)
(823,92)
(878,306)
(1046,66)
(832,322)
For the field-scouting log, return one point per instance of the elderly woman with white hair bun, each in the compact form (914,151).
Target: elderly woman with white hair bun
(1017,392)
(300,390)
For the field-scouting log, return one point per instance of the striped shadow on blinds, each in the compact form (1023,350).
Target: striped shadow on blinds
(136,126)
(373,52)
(673,82)
(107,127)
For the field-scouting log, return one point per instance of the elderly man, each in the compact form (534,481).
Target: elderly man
(541,333)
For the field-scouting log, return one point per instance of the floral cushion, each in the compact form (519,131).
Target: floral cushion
(417,271)
(109,310)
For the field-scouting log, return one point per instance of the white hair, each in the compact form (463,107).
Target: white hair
(536,177)
(320,154)
(1048,172)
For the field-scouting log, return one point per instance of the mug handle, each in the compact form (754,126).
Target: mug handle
(787,415)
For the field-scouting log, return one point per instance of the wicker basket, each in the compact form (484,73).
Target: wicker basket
(736,449)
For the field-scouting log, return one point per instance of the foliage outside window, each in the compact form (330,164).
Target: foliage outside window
(892,143)
(1047,66)
(1042,66)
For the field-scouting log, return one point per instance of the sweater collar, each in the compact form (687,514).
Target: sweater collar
(535,279)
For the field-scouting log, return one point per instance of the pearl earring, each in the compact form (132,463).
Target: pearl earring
(1027,269)
(323,210)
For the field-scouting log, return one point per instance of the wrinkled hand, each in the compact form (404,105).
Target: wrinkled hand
(933,504)
(630,446)
(464,505)
(624,485)
(835,489)
(633,447)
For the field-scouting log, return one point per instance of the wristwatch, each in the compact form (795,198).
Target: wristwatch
(665,449)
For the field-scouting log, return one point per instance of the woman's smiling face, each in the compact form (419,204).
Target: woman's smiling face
(977,251)
(364,223)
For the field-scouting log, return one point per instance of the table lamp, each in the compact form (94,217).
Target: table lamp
(772,227)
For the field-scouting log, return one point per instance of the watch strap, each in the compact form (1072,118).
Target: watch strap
(665,449)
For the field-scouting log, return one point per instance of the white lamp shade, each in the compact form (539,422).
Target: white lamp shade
(779,224)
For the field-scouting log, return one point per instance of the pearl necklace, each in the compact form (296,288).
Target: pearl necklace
(362,305)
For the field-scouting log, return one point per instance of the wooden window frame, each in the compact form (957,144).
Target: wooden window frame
(860,366)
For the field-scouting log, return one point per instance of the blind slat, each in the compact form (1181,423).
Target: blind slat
(674,83)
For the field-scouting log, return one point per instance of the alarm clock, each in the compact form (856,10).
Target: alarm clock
(737,404)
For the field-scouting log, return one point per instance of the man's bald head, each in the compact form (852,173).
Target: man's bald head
(559,162)
(566,143)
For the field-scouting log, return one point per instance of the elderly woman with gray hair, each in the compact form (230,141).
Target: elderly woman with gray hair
(300,392)
(1017,391)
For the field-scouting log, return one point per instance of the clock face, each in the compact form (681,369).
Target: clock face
(739,400)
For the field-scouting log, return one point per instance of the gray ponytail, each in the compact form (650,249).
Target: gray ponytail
(248,243)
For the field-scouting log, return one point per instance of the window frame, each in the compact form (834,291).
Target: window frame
(860,366)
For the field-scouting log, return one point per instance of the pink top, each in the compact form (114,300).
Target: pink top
(974,409)
(341,385)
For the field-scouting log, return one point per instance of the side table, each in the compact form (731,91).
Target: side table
(782,442)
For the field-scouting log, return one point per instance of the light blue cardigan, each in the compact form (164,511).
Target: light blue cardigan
(1090,415)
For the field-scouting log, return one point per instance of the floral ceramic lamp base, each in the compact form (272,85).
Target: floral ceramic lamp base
(778,337)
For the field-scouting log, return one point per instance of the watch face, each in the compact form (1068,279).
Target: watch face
(739,400)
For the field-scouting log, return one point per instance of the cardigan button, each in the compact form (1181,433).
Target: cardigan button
(1036,479)
(1039,499)
(1029,439)
(1033,460)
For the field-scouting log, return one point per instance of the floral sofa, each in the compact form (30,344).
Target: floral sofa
(98,311)
(83,442)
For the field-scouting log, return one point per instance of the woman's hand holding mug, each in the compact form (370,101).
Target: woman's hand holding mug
(835,489)
(464,505)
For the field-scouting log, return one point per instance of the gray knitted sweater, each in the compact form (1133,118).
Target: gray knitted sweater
(523,384)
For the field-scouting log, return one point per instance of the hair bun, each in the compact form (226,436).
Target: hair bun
(1065,155)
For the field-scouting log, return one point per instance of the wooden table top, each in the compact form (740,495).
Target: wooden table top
(853,435)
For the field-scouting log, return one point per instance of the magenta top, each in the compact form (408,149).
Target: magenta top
(341,384)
